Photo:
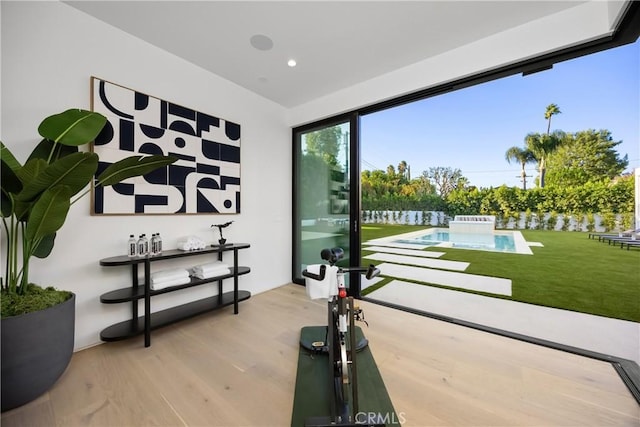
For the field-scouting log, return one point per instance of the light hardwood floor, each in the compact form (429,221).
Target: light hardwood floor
(226,370)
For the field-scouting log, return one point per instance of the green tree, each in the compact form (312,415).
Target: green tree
(464,202)
(445,179)
(552,110)
(319,169)
(325,143)
(391,190)
(315,174)
(585,156)
(403,171)
(522,156)
(391,171)
(423,185)
(542,146)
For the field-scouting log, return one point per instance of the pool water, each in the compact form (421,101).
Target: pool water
(485,242)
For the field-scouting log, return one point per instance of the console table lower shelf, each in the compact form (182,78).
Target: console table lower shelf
(133,327)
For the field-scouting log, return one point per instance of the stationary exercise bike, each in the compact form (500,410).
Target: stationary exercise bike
(340,343)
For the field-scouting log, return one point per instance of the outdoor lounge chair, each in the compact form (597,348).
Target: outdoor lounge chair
(601,236)
(612,237)
(630,243)
(615,240)
(609,237)
(629,233)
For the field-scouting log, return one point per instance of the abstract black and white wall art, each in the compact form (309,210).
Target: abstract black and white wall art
(205,179)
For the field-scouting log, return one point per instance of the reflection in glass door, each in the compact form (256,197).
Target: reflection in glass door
(321,194)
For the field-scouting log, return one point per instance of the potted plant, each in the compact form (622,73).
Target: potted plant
(38,324)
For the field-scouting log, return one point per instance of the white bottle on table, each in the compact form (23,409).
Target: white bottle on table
(158,243)
(153,245)
(143,245)
(132,246)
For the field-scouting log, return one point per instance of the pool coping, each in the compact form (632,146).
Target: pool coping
(522,247)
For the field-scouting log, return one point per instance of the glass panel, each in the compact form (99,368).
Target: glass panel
(322,194)
(442,181)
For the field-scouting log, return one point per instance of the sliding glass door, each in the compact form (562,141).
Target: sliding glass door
(323,215)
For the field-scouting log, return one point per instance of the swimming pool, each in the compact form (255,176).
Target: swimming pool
(497,242)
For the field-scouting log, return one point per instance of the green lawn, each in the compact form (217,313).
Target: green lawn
(570,272)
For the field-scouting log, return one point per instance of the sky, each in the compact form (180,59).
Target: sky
(472,128)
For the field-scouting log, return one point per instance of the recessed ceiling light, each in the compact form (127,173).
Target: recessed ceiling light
(261,42)
(292,63)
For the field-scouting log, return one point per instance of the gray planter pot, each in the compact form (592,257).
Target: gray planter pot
(36,350)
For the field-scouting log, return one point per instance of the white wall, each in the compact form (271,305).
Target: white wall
(49,52)
(588,21)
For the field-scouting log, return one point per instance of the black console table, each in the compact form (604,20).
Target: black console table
(146,323)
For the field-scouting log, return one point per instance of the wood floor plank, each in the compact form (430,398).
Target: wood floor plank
(225,370)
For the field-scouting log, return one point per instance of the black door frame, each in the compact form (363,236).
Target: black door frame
(354,194)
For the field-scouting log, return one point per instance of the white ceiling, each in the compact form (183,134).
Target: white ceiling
(336,44)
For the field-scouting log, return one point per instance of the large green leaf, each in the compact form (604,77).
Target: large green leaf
(74,171)
(48,213)
(133,166)
(6,205)
(72,127)
(8,157)
(44,150)
(31,170)
(10,181)
(45,247)
(27,174)
(21,209)
(10,184)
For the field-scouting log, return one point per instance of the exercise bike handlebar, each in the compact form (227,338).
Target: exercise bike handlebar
(320,277)
(370,272)
(334,255)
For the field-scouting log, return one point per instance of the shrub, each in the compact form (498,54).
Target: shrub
(608,221)
(591,222)
(528,219)
(627,220)
(540,221)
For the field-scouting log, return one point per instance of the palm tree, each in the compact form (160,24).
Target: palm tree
(391,171)
(402,169)
(522,156)
(552,110)
(542,146)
